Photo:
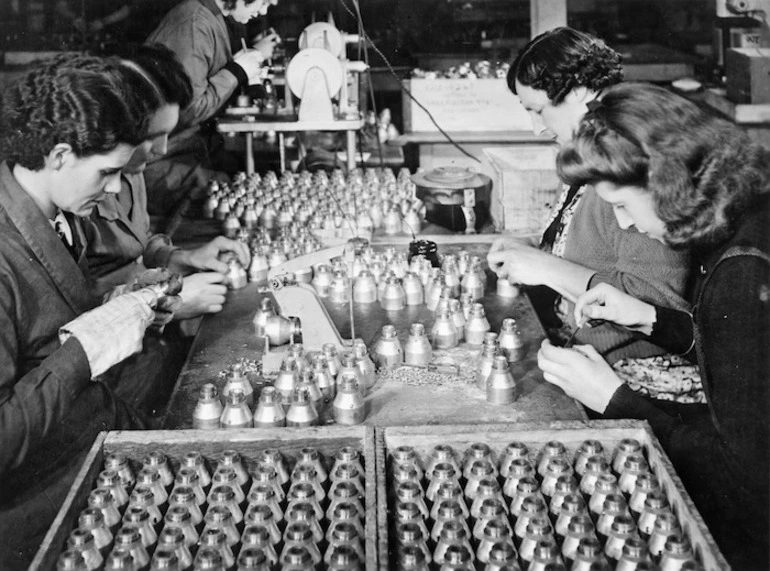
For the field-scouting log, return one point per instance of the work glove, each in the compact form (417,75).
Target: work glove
(166,285)
(250,61)
(114,331)
(266,43)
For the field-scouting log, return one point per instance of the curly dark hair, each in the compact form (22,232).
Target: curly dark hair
(230,4)
(73,99)
(703,172)
(559,60)
(163,68)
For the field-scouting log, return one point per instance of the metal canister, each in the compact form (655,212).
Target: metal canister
(269,411)
(208,409)
(393,296)
(477,325)
(413,289)
(501,387)
(444,332)
(280,330)
(236,380)
(236,413)
(510,340)
(472,283)
(417,349)
(365,288)
(388,353)
(301,411)
(348,405)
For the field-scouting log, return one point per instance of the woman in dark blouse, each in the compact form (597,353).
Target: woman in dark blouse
(691,180)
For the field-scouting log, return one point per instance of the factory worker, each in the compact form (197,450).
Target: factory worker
(677,174)
(557,76)
(120,242)
(196,31)
(66,131)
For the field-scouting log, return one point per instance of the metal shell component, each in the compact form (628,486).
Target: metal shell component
(417,350)
(349,408)
(236,380)
(222,210)
(444,331)
(301,412)
(286,381)
(456,312)
(82,541)
(485,365)
(209,207)
(236,277)
(322,280)
(339,291)
(413,290)
(500,385)
(392,223)
(332,359)
(269,411)
(433,289)
(510,341)
(266,309)
(259,267)
(249,218)
(280,330)
(208,409)
(365,288)
(388,353)
(323,378)
(477,325)
(230,226)
(472,283)
(307,383)
(236,413)
(507,289)
(451,274)
(365,365)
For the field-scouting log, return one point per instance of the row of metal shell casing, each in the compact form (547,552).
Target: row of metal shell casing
(367,200)
(234,515)
(310,389)
(528,510)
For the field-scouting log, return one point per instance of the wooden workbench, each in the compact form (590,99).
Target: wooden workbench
(226,337)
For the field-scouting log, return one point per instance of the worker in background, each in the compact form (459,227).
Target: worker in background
(93,17)
(196,31)
(67,128)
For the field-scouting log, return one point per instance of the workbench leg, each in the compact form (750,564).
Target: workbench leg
(351,136)
(282,151)
(249,153)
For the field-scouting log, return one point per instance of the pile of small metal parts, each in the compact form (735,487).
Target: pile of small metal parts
(163,517)
(483,69)
(328,206)
(313,388)
(525,508)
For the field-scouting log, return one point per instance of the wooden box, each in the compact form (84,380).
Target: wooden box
(423,438)
(748,75)
(463,105)
(247,442)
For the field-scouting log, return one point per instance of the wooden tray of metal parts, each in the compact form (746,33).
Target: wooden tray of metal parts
(211,445)
(422,439)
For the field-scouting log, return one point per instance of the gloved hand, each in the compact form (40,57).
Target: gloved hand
(114,331)
(166,285)
(266,44)
(251,63)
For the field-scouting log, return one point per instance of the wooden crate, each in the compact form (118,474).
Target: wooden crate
(535,435)
(211,444)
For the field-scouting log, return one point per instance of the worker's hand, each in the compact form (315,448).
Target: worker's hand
(507,242)
(207,258)
(251,63)
(603,301)
(581,372)
(202,293)
(522,264)
(266,43)
(114,331)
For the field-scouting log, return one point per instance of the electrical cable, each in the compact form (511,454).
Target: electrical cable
(368,41)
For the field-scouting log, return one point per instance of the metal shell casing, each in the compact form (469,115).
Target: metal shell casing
(365,288)
(266,309)
(500,385)
(444,331)
(510,341)
(236,380)
(484,365)
(236,277)
(388,353)
(417,349)
(259,267)
(279,330)
(393,296)
(230,226)
(286,381)
(236,413)
(456,312)
(269,411)
(365,365)
(477,325)
(339,290)
(349,407)
(301,411)
(322,280)
(413,290)
(472,284)
(208,409)
(506,289)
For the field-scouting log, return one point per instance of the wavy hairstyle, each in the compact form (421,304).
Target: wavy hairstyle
(703,172)
(562,59)
(74,99)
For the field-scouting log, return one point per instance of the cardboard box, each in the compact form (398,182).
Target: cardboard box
(748,75)
(525,186)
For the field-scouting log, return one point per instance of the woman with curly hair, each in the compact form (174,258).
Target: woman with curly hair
(557,76)
(679,175)
(67,128)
